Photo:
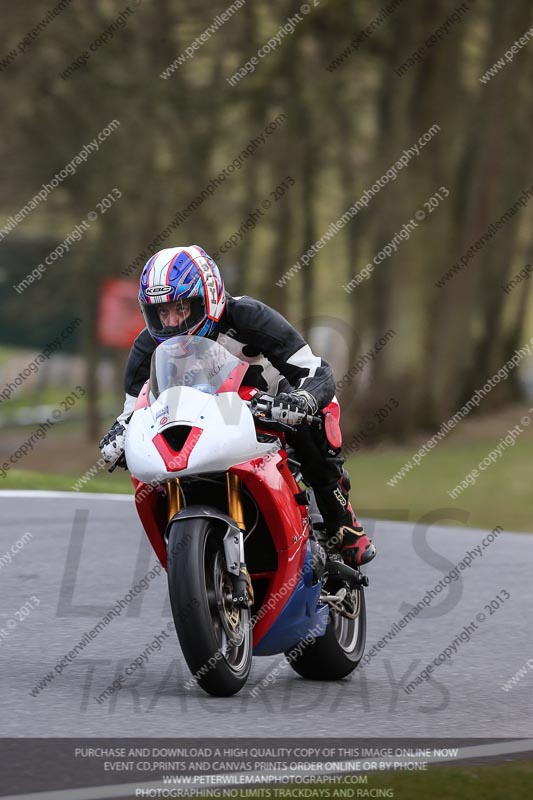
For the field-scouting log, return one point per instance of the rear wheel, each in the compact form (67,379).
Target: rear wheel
(215,637)
(336,654)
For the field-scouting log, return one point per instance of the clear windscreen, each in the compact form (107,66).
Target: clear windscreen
(191,361)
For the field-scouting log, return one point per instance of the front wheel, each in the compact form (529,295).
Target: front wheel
(215,637)
(336,654)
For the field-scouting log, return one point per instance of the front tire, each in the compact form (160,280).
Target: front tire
(336,654)
(216,639)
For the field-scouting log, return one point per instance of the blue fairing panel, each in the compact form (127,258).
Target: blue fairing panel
(299,618)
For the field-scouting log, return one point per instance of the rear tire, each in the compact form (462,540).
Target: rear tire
(216,639)
(336,654)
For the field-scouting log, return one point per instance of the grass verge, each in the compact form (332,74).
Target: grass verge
(116,483)
(488,782)
(501,496)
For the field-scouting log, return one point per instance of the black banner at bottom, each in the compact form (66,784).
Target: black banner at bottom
(94,769)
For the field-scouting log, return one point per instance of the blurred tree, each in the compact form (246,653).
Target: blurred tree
(349,116)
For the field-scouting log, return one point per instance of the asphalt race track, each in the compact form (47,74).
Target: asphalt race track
(87,551)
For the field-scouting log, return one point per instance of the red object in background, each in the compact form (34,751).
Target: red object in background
(119,315)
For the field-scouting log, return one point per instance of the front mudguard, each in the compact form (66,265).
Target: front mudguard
(233,538)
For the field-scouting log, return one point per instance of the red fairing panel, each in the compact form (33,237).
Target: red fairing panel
(173,460)
(272,484)
(234,379)
(247,392)
(146,496)
(146,501)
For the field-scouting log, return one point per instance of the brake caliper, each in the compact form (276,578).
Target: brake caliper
(243,593)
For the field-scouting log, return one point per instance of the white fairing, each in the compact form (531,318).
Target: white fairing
(228,436)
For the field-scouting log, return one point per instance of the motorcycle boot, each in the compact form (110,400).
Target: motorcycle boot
(345,533)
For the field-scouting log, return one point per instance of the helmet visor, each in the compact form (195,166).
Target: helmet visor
(177,318)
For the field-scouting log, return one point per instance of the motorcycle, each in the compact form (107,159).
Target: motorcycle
(221,499)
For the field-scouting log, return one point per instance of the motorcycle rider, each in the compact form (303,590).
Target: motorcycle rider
(182,293)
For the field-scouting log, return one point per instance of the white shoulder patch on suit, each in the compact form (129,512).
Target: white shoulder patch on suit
(305,359)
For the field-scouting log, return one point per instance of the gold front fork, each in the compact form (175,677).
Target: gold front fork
(236,512)
(234,499)
(174,497)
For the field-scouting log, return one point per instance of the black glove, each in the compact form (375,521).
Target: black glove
(291,408)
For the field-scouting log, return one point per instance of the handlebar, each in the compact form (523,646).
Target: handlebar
(120,462)
(261,409)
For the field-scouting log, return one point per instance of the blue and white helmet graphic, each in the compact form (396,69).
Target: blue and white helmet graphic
(187,280)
